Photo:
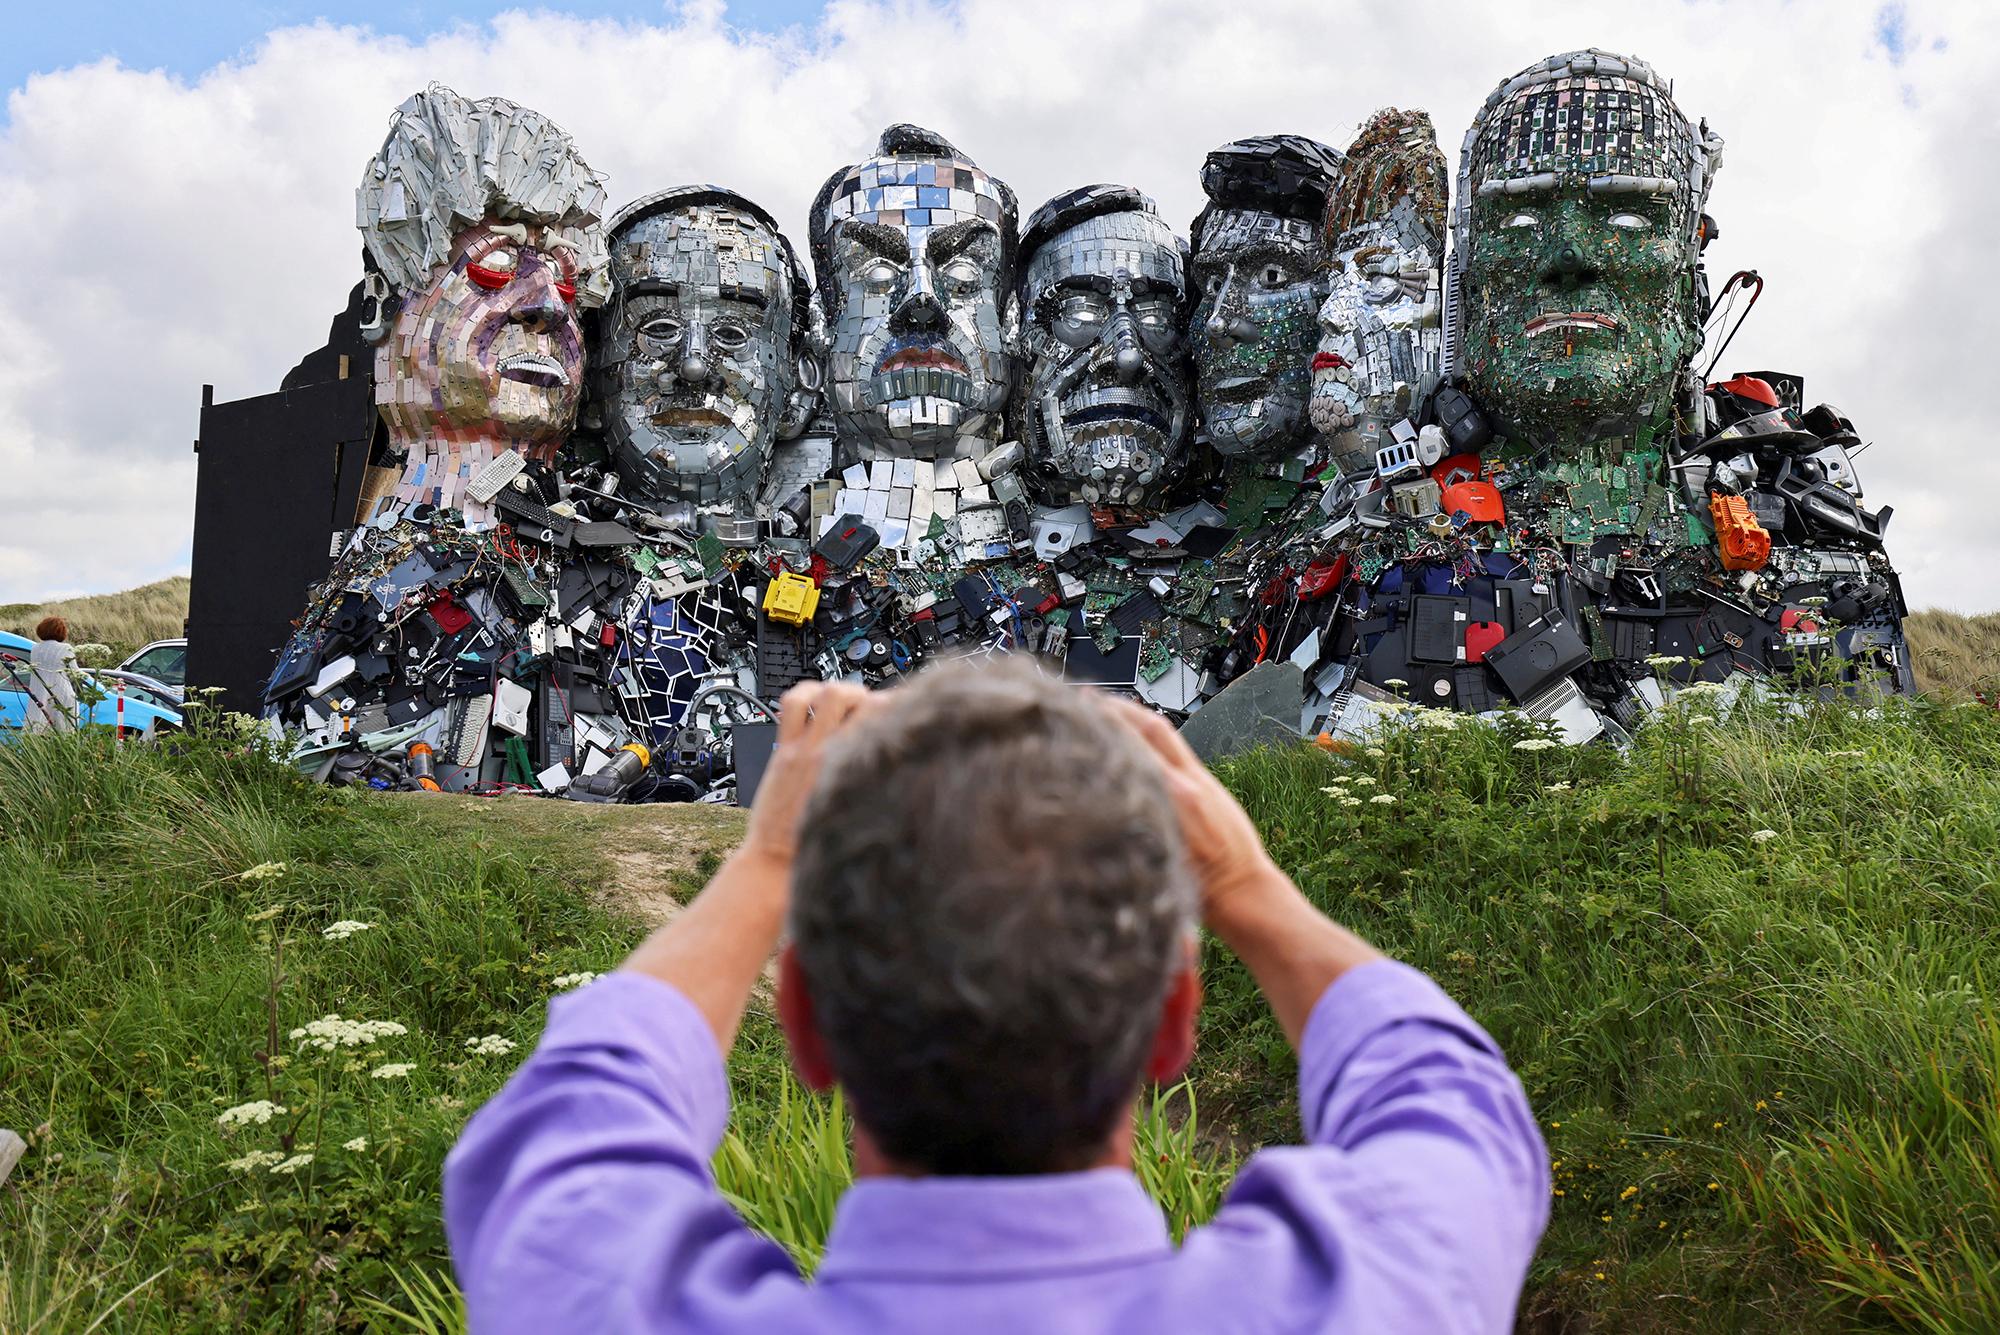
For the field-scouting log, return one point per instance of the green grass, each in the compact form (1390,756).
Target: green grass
(1802,1021)
(1745,976)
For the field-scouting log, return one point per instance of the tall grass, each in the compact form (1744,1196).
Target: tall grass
(1955,653)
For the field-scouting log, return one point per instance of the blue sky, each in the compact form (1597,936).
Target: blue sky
(186,38)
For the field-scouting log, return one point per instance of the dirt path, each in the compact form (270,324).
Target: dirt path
(651,857)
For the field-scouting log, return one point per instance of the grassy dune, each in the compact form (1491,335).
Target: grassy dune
(120,621)
(1956,653)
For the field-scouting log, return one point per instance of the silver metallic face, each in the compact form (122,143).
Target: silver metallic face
(696,365)
(914,283)
(1259,279)
(1105,398)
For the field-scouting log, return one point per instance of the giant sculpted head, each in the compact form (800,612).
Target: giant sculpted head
(481,231)
(914,253)
(1381,328)
(1259,275)
(703,358)
(1578,226)
(1104,402)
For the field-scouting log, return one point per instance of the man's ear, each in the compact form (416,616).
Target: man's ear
(1173,1041)
(795,1015)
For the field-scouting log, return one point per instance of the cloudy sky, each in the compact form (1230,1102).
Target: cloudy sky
(176,187)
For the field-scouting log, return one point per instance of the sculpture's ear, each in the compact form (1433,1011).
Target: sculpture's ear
(1010,327)
(802,400)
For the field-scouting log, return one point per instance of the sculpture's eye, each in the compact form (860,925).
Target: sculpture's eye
(494,269)
(880,275)
(1153,313)
(662,329)
(1211,285)
(1523,220)
(1084,308)
(1634,222)
(961,277)
(729,336)
(1275,276)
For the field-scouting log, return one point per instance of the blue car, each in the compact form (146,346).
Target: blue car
(144,714)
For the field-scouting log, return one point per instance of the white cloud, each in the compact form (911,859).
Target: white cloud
(163,233)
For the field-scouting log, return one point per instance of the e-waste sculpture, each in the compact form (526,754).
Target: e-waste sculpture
(481,625)
(1573,517)
(1313,465)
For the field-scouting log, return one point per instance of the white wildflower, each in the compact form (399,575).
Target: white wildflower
(1702,720)
(569,980)
(263,871)
(393,1071)
(330,1032)
(1699,690)
(1562,787)
(357,1145)
(1395,683)
(1845,755)
(1763,836)
(1365,780)
(1336,790)
(243,1114)
(1442,719)
(292,1165)
(1384,799)
(1535,744)
(1664,660)
(265,915)
(490,1045)
(1350,801)
(345,928)
(1377,752)
(254,1160)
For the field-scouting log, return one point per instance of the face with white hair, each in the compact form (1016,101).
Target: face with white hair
(492,347)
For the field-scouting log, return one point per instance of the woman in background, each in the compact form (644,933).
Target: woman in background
(51,688)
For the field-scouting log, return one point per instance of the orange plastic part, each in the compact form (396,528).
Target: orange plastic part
(1481,500)
(1743,542)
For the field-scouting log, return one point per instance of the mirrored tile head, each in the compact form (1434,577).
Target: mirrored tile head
(914,253)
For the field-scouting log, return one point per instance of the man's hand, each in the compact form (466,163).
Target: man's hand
(714,951)
(808,717)
(1224,849)
(1294,951)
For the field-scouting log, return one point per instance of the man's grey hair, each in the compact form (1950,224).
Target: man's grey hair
(450,162)
(990,902)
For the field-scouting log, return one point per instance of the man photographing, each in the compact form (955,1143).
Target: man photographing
(992,882)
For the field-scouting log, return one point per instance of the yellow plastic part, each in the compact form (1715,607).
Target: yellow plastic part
(791,599)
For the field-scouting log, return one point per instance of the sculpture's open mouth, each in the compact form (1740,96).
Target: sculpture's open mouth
(912,359)
(1327,361)
(1554,320)
(686,417)
(534,368)
(921,371)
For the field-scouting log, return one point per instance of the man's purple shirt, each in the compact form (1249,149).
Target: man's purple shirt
(580,1198)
